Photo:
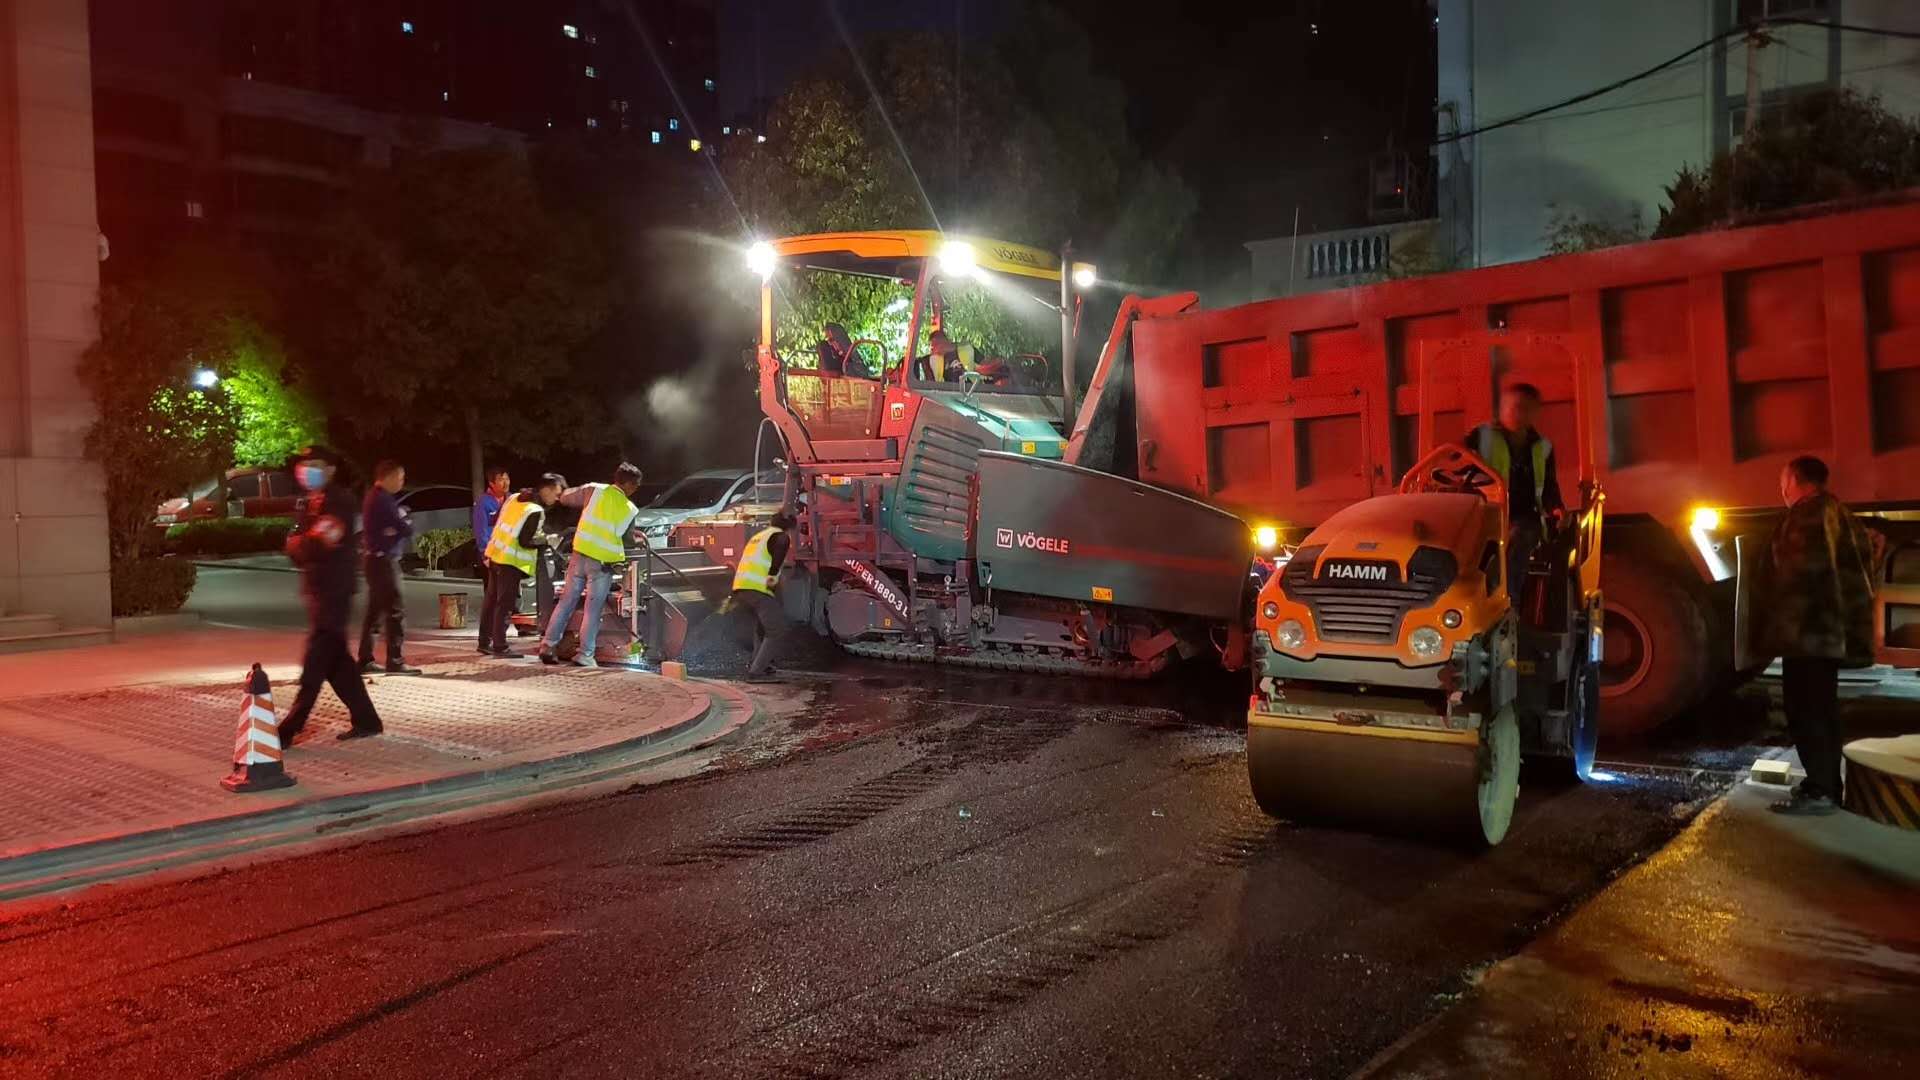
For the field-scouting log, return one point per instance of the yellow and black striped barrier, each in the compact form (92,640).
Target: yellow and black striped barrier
(1883,780)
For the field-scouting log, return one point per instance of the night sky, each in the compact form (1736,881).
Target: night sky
(1260,107)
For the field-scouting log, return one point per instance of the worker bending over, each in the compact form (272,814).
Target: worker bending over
(518,534)
(599,545)
(753,582)
(1523,460)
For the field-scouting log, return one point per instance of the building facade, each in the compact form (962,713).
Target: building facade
(1609,159)
(252,115)
(53,521)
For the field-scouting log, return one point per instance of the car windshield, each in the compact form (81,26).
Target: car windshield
(694,492)
(992,320)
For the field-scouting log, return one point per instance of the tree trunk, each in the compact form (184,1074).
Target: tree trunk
(474,462)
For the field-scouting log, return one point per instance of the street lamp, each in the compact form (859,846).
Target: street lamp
(205,378)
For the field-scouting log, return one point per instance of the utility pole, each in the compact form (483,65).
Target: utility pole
(1068,388)
(1756,40)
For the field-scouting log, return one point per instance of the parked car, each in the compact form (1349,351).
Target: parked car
(440,506)
(706,492)
(249,492)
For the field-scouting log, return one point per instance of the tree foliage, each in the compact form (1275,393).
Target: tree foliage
(1019,138)
(1570,231)
(157,433)
(1825,145)
(275,417)
(449,299)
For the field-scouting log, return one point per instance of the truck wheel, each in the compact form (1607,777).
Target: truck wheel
(1657,660)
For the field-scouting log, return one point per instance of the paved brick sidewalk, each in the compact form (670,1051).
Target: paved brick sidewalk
(100,764)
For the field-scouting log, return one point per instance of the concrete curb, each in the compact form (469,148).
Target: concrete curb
(172,622)
(35,865)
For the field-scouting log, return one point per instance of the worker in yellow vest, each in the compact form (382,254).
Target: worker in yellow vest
(519,531)
(1523,459)
(753,582)
(599,545)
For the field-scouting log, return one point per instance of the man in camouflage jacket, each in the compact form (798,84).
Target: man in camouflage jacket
(1817,616)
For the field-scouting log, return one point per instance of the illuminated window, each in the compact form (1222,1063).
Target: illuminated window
(759,138)
(709,84)
(654,137)
(693,145)
(570,30)
(406,27)
(673,123)
(726,131)
(593,121)
(592,72)
(446,95)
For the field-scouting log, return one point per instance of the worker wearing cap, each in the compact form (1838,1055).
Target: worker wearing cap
(1523,459)
(599,544)
(753,582)
(321,545)
(517,537)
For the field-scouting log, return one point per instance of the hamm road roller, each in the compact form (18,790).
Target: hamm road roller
(1400,678)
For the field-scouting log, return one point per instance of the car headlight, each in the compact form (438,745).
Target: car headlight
(1290,634)
(1427,642)
(1269,610)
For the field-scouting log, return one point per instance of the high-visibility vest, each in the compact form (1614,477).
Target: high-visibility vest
(503,547)
(962,359)
(755,572)
(1493,447)
(603,527)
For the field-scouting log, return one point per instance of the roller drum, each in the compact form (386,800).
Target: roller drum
(1422,787)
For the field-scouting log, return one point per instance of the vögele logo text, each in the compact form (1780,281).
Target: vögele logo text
(1032,541)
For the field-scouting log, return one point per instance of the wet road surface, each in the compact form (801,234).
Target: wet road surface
(898,872)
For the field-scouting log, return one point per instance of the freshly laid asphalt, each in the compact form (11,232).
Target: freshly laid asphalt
(892,873)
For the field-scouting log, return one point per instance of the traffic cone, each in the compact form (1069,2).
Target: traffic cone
(256,749)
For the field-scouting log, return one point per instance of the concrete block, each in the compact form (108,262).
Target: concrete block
(59,137)
(60,488)
(53,369)
(1776,771)
(673,669)
(64,253)
(59,24)
(77,600)
(9,500)
(57,427)
(59,195)
(53,546)
(62,310)
(56,77)
(13,414)
(9,549)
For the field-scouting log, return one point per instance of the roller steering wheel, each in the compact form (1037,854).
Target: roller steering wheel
(1467,477)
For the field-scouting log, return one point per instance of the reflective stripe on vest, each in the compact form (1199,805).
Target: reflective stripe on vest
(1493,447)
(503,547)
(755,572)
(603,527)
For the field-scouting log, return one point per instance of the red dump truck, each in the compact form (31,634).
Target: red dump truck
(1711,360)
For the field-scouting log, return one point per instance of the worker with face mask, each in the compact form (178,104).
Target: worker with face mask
(1524,460)
(322,545)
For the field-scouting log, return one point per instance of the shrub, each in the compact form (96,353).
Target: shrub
(228,536)
(436,544)
(151,586)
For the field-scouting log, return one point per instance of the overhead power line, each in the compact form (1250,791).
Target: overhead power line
(1738,31)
